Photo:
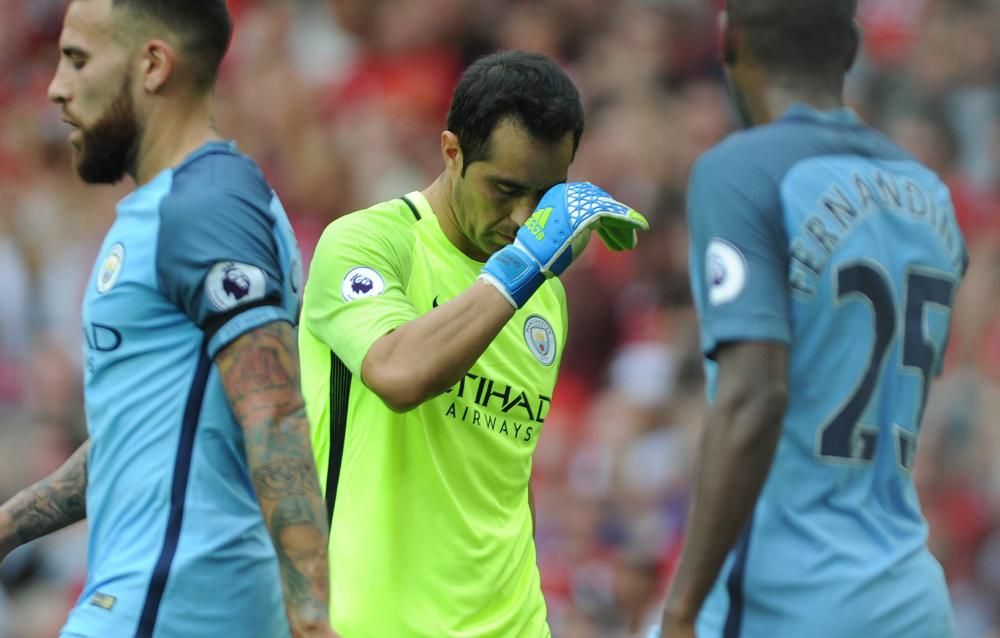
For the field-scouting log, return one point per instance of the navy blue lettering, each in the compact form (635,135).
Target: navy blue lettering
(102,338)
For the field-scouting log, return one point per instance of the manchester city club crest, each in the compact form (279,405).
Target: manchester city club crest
(111,268)
(541,339)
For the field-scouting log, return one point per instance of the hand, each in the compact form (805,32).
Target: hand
(556,234)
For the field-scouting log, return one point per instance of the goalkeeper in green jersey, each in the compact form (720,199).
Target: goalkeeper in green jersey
(431,335)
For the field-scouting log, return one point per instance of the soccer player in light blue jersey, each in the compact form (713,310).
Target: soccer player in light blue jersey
(197,480)
(824,262)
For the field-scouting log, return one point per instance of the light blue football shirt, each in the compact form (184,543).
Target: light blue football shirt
(178,548)
(817,232)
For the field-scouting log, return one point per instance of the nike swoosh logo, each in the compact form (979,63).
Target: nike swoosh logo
(434,303)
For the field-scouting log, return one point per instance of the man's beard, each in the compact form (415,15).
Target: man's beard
(109,146)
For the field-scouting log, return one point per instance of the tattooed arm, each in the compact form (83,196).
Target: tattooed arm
(260,372)
(51,504)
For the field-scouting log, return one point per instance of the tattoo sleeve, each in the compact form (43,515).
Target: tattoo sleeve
(49,505)
(260,372)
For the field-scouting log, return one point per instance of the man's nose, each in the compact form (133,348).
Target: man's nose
(58,90)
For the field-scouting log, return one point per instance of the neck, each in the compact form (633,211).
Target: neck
(778,98)
(170,133)
(439,196)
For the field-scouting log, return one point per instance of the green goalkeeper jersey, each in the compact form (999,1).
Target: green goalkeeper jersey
(431,531)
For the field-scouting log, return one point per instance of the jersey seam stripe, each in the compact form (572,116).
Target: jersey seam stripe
(734,585)
(411,206)
(178,491)
(340,393)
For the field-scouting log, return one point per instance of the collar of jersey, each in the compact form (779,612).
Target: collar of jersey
(226,147)
(423,206)
(841,115)
(427,213)
(208,148)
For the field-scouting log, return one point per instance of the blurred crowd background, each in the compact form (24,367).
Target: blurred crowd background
(342,103)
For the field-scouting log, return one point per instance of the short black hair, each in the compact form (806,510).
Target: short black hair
(203,27)
(801,38)
(526,87)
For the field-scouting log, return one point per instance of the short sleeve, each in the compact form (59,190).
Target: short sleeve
(738,258)
(356,289)
(218,261)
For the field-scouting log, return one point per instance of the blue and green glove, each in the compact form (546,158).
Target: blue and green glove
(556,234)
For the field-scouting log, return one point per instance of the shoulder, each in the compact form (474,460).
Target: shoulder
(750,153)
(217,189)
(737,145)
(219,209)
(737,160)
(772,150)
(221,169)
(741,172)
(393,214)
(386,222)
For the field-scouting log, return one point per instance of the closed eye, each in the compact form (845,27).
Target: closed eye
(507,188)
(75,56)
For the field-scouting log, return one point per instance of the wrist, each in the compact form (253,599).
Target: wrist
(513,272)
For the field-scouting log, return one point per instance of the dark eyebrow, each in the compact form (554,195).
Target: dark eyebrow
(507,183)
(72,51)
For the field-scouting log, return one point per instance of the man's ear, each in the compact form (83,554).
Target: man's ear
(727,41)
(159,62)
(858,37)
(451,152)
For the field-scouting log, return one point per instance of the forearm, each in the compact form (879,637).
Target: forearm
(736,455)
(428,355)
(49,505)
(260,373)
(284,477)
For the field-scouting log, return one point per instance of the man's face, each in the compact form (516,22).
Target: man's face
(498,193)
(93,85)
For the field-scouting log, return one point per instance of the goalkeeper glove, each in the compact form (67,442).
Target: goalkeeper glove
(556,234)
